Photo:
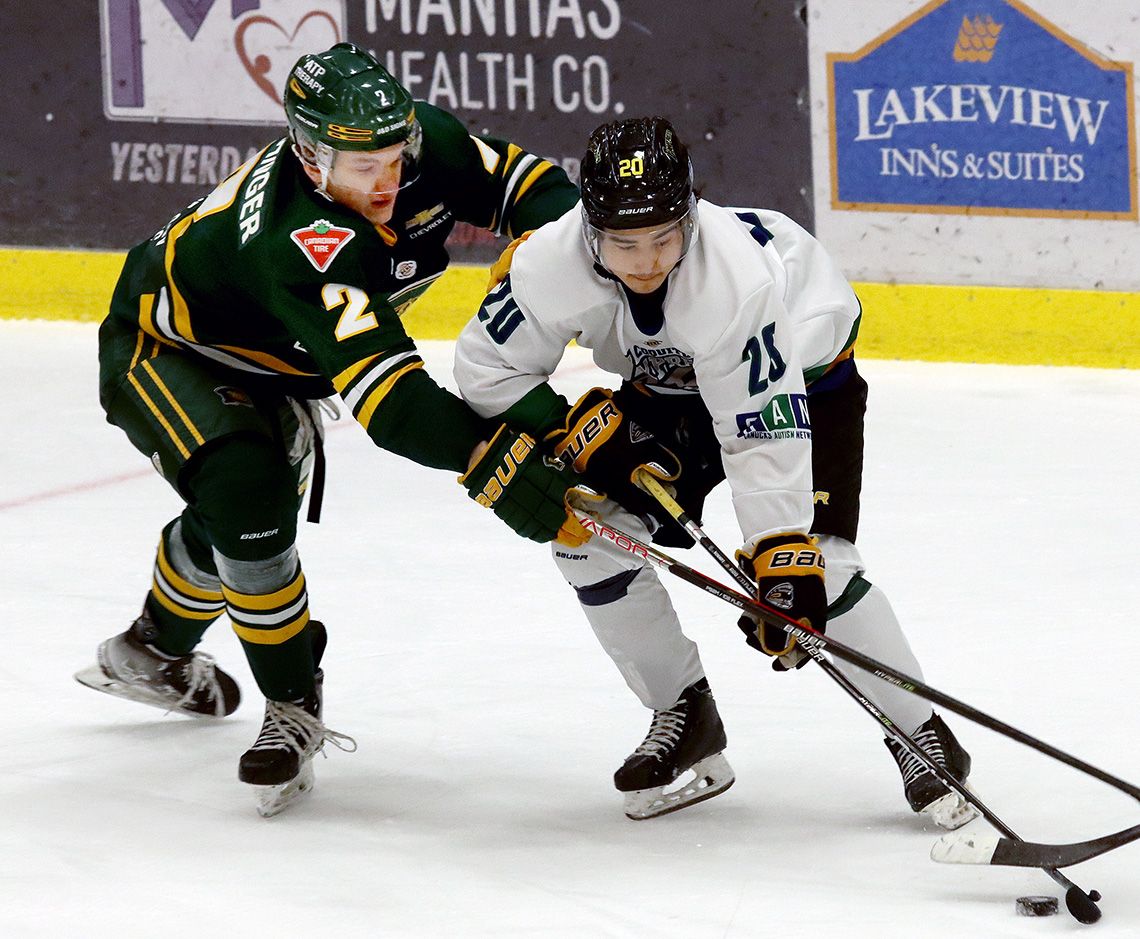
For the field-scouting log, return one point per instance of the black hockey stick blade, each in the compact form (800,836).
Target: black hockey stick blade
(988,848)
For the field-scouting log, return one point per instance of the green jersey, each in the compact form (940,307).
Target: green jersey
(275,284)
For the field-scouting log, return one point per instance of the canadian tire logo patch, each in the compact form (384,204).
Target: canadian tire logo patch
(321,242)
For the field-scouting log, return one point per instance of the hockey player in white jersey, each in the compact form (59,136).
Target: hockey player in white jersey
(733,334)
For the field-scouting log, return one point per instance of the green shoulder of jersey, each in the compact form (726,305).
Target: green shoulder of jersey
(270,278)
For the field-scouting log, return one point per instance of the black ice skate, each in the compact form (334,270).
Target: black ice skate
(924,791)
(688,737)
(280,760)
(130,667)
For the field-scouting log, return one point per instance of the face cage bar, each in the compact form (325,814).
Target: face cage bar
(594,235)
(321,157)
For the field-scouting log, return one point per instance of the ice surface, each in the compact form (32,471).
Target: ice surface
(1000,511)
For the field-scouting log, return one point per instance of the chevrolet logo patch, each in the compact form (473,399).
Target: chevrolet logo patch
(422,218)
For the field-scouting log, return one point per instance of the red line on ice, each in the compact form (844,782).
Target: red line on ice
(71,490)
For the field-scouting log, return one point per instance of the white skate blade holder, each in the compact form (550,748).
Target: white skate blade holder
(706,778)
(272,800)
(98,680)
(951,811)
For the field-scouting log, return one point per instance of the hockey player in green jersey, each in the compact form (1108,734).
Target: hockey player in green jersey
(282,287)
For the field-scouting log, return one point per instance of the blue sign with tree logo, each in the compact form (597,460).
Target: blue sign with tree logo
(982,107)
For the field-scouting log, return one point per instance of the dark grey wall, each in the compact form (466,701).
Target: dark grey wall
(731,75)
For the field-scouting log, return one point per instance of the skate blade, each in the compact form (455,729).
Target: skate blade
(951,811)
(98,680)
(711,777)
(273,800)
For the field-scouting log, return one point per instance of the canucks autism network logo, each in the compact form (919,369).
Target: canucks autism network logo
(982,107)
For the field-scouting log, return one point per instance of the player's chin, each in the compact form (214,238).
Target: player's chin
(378,211)
(643,284)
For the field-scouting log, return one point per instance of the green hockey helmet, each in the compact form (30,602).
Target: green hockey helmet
(344,100)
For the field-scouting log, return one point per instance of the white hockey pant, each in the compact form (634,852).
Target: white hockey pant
(870,626)
(631,613)
(633,618)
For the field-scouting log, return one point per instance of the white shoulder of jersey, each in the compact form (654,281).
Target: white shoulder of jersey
(552,272)
(820,301)
(724,270)
(814,279)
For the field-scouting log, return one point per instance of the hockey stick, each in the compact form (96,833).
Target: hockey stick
(1082,905)
(1024,851)
(984,848)
(651,485)
(808,637)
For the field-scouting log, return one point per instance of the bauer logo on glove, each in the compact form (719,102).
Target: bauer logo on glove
(788,569)
(526,492)
(592,441)
(592,429)
(508,465)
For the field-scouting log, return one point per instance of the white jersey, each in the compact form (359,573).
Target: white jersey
(754,306)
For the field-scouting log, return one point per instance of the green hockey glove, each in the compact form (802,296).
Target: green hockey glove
(511,478)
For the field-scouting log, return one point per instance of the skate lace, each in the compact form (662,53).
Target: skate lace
(911,766)
(201,675)
(290,726)
(664,732)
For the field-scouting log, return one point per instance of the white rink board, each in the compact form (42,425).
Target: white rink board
(1012,251)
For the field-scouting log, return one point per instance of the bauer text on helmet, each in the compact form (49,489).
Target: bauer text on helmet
(639,211)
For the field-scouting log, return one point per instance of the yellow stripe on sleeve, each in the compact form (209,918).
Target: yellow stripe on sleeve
(514,152)
(139,343)
(264,358)
(158,414)
(344,379)
(531,177)
(181,310)
(378,394)
(272,637)
(146,314)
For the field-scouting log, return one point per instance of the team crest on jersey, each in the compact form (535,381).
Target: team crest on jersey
(663,365)
(321,242)
(405,269)
(231,395)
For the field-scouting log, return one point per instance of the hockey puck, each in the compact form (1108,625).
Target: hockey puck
(1037,906)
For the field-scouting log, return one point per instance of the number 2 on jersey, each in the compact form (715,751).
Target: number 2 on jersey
(354,320)
(755,355)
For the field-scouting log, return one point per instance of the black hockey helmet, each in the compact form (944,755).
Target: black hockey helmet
(636,174)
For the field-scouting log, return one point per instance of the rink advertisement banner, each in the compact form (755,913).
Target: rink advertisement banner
(145,105)
(208,61)
(982,107)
